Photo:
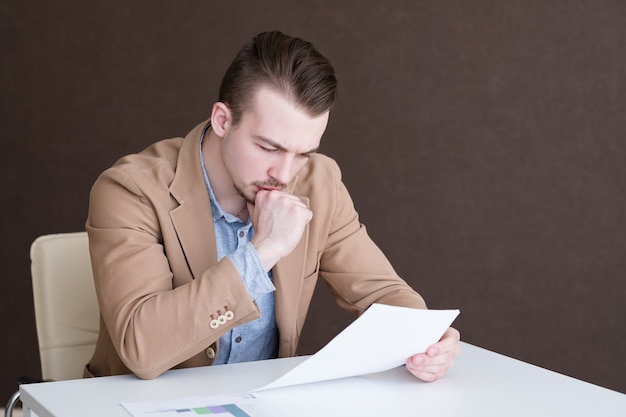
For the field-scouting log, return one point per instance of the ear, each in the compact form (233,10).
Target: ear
(220,118)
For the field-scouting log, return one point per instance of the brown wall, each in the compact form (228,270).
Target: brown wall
(483,143)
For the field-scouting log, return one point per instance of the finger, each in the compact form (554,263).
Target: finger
(293,198)
(423,360)
(260,196)
(295,201)
(428,373)
(427,370)
(288,195)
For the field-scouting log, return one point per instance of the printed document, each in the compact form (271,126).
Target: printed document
(383,337)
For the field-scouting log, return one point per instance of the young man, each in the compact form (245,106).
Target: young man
(206,249)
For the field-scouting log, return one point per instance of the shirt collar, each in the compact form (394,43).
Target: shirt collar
(216,209)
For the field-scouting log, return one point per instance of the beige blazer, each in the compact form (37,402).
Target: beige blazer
(160,287)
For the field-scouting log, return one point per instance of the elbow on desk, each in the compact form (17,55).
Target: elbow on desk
(147,375)
(146,371)
(144,367)
(149,367)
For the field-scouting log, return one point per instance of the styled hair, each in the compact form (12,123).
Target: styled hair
(294,68)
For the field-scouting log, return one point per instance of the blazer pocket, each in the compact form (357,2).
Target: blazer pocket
(310,279)
(311,273)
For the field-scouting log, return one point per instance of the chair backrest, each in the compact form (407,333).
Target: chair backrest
(66,309)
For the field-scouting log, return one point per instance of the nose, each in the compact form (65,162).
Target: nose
(282,170)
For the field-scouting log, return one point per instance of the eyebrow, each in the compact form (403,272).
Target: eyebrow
(282,148)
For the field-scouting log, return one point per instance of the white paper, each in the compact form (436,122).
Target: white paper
(238,405)
(383,337)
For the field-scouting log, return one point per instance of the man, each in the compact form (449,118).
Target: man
(206,249)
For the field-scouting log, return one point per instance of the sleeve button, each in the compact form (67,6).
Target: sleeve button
(210,353)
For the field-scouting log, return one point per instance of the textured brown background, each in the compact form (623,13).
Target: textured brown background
(483,142)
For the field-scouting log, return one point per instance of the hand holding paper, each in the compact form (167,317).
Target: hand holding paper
(438,358)
(382,338)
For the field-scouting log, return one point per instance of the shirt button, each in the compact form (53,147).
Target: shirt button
(241,233)
(210,353)
(238,339)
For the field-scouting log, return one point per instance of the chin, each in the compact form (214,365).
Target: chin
(248,194)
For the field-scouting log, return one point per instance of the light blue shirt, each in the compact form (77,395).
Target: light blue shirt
(257,339)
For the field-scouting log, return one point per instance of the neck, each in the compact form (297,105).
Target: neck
(243,214)
(225,194)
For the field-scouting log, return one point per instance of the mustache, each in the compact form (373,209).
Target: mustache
(271,184)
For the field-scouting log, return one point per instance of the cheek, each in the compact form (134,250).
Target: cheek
(234,159)
(245,164)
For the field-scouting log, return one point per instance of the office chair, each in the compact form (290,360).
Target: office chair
(66,309)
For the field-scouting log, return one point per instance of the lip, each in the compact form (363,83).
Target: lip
(259,188)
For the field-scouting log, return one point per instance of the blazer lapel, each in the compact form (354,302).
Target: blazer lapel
(288,279)
(193,219)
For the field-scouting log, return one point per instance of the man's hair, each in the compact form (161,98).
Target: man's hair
(292,67)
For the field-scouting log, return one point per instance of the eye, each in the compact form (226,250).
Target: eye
(308,155)
(268,150)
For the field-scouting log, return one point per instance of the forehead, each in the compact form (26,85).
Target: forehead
(273,117)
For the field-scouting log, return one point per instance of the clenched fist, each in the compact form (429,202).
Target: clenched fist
(278,219)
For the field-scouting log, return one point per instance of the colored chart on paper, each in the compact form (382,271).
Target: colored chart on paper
(239,405)
(225,410)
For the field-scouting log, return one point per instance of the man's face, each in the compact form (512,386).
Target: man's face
(272,141)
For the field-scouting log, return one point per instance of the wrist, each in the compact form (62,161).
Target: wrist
(267,253)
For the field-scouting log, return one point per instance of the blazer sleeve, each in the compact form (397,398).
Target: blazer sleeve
(156,312)
(356,270)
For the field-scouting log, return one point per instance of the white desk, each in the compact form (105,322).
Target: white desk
(482,383)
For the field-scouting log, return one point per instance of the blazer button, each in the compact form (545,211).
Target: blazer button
(214,324)
(210,353)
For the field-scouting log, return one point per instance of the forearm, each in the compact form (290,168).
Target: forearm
(156,302)
(358,272)
(170,327)
(153,325)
